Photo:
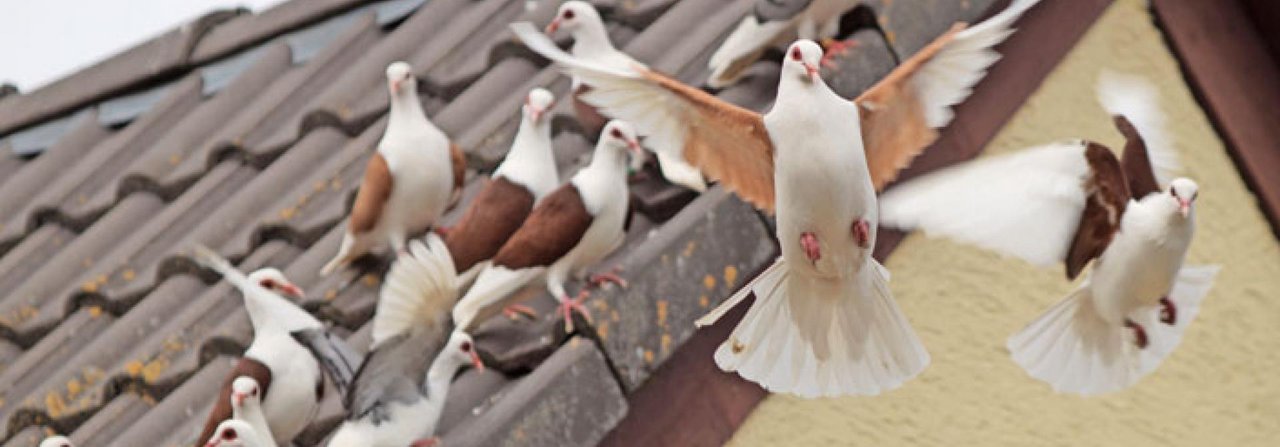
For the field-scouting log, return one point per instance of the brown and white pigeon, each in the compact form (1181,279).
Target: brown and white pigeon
(568,231)
(526,175)
(237,433)
(413,177)
(773,23)
(289,404)
(824,322)
(1075,202)
(591,44)
(397,395)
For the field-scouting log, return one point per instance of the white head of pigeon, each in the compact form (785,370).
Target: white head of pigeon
(246,405)
(274,280)
(400,80)
(803,61)
(538,104)
(56,441)
(1184,192)
(574,16)
(237,433)
(458,352)
(618,138)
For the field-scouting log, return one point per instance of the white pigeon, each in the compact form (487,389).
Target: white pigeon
(56,441)
(397,396)
(774,23)
(246,405)
(1074,202)
(237,433)
(568,231)
(414,175)
(527,174)
(591,44)
(289,404)
(824,322)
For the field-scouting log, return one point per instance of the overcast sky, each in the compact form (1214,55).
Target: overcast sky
(43,40)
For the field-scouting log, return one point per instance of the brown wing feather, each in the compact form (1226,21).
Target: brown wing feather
(554,227)
(495,214)
(1108,195)
(728,143)
(374,191)
(1137,167)
(891,113)
(222,406)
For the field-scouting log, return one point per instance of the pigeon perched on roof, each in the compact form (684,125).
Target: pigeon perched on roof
(527,174)
(246,405)
(289,404)
(773,23)
(568,231)
(824,322)
(415,174)
(591,44)
(237,433)
(1076,203)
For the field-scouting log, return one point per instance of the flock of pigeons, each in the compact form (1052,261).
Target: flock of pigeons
(823,323)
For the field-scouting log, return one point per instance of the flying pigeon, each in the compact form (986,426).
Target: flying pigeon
(246,405)
(773,23)
(1075,202)
(398,393)
(591,44)
(289,404)
(413,177)
(568,231)
(526,175)
(824,322)
(237,433)
(56,441)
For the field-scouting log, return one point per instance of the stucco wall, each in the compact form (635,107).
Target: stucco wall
(1221,387)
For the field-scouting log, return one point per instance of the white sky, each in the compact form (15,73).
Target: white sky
(43,40)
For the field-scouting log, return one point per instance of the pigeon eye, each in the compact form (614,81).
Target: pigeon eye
(616,134)
(466,346)
(795,54)
(568,14)
(268,283)
(230,434)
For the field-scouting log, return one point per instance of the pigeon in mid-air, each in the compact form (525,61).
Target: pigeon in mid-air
(773,23)
(415,174)
(824,322)
(1075,202)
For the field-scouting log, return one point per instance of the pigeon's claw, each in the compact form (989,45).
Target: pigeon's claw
(1168,312)
(569,305)
(1139,334)
(600,279)
(833,48)
(429,442)
(517,310)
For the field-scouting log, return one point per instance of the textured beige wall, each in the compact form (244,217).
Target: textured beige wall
(1220,388)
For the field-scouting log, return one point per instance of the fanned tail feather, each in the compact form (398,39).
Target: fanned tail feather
(419,290)
(818,338)
(742,47)
(1074,350)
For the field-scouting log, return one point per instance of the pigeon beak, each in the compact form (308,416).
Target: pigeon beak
(476,363)
(812,71)
(238,398)
(1184,207)
(395,87)
(553,26)
(293,291)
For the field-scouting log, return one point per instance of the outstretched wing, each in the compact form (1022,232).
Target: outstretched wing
(1149,159)
(900,115)
(726,142)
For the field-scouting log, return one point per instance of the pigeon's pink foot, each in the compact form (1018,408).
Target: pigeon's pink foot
(569,305)
(429,442)
(443,231)
(809,243)
(862,233)
(1139,334)
(835,48)
(516,310)
(1168,312)
(600,279)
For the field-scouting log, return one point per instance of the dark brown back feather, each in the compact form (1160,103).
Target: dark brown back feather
(374,191)
(494,215)
(1135,161)
(222,406)
(554,227)
(1107,196)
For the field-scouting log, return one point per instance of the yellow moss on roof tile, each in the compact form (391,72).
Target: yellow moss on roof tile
(1218,388)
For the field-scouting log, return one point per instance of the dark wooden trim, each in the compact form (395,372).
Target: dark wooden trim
(1235,78)
(689,401)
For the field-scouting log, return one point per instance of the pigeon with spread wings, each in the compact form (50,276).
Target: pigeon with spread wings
(413,176)
(774,23)
(824,322)
(1076,203)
